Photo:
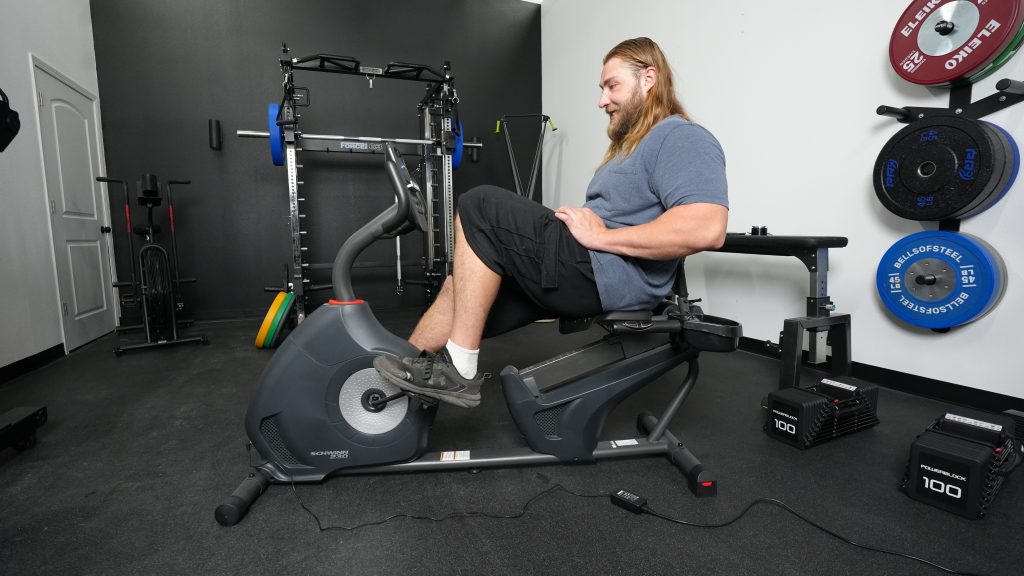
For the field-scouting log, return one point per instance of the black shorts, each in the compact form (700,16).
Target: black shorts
(545,272)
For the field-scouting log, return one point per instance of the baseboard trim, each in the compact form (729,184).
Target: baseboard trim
(26,365)
(909,383)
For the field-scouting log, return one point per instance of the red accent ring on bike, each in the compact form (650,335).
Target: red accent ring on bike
(333,302)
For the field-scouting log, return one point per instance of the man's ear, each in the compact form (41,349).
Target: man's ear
(648,78)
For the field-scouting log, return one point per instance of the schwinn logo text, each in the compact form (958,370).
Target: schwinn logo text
(332,454)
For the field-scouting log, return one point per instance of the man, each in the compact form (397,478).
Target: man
(659,195)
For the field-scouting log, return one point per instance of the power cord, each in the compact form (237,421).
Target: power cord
(638,505)
(449,516)
(628,501)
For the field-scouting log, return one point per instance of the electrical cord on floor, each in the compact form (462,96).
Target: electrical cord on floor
(449,516)
(632,503)
(638,505)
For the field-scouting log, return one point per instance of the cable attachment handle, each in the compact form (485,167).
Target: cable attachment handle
(545,121)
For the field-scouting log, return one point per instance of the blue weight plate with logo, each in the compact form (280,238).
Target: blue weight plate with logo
(938,279)
(276,135)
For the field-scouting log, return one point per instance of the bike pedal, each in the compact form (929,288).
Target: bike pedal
(427,401)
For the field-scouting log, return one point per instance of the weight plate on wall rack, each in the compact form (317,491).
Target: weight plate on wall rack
(1003,57)
(940,42)
(1011,154)
(938,280)
(1013,164)
(935,168)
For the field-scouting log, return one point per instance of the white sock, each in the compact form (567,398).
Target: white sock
(464,360)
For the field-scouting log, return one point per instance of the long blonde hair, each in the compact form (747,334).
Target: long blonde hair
(661,102)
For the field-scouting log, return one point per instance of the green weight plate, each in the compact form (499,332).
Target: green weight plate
(1003,58)
(268,319)
(281,328)
(279,319)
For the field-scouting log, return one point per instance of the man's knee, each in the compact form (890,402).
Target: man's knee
(446,287)
(474,198)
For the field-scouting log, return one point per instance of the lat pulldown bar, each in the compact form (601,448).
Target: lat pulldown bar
(340,138)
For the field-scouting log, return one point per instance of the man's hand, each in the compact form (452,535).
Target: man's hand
(586,226)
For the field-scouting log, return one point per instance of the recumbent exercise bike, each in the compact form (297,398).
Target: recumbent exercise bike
(320,407)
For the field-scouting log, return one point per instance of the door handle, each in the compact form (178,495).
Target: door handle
(105,229)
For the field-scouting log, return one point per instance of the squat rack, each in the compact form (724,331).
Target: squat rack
(440,141)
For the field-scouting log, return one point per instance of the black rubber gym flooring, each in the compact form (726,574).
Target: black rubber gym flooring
(140,449)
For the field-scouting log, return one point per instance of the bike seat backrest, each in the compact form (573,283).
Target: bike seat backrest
(610,319)
(404,183)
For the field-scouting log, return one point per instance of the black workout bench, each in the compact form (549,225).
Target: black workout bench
(813,252)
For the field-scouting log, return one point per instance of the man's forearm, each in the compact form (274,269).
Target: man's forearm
(679,232)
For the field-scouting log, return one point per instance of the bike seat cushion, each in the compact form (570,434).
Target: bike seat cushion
(623,316)
(143,231)
(570,325)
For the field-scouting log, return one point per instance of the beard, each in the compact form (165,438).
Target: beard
(626,117)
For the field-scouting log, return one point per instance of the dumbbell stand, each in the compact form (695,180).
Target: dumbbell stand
(819,321)
(793,331)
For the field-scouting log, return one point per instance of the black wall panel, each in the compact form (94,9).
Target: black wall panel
(167,66)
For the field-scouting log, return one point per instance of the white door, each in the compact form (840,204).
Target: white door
(78,207)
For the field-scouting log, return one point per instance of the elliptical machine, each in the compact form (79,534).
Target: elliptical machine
(157,289)
(320,407)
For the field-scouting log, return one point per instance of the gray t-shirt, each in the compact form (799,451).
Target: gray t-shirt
(677,163)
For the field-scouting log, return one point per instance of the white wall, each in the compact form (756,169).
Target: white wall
(790,90)
(59,32)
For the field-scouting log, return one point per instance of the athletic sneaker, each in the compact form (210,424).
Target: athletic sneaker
(434,376)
